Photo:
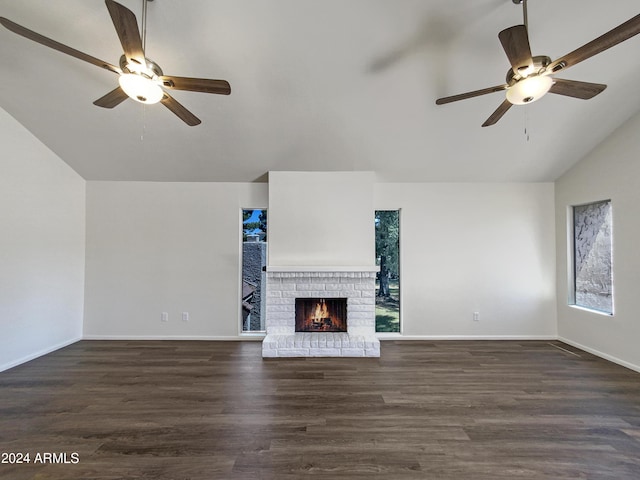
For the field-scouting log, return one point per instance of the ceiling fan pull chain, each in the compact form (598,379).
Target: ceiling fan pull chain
(144,122)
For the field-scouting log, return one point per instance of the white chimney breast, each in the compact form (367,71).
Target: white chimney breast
(321,245)
(321,219)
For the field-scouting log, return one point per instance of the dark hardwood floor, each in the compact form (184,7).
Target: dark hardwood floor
(424,410)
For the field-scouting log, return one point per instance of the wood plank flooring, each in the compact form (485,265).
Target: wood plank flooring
(424,410)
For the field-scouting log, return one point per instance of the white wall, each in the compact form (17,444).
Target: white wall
(42,229)
(165,247)
(321,219)
(611,171)
(174,247)
(487,248)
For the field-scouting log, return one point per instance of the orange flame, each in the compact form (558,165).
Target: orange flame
(321,311)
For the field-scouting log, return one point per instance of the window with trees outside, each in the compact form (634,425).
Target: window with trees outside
(592,277)
(254,261)
(387,227)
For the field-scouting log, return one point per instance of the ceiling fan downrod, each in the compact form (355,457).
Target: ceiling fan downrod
(144,25)
(524,11)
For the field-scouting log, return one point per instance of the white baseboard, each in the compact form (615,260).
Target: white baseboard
(250,338)
(397,336)
(380,336)
(600,354)
(37,354)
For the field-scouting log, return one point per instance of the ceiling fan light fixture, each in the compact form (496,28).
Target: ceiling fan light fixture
(529,89)
(140,88)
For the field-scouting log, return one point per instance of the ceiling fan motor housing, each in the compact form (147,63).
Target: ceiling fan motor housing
(149,70)
(540,63)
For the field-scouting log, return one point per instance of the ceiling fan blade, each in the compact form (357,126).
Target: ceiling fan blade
(47,42)
(515,42)
(185,115)
(205,85)
(610,39)
(126,25)
(497,115)
(475,93)
(112,99)
(573,88)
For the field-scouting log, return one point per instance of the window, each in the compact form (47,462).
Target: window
(254,261)
(592,277)
(387,227)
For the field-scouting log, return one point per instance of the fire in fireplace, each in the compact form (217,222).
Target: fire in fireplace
(321,314)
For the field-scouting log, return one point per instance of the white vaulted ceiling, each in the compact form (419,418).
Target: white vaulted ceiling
(318,85)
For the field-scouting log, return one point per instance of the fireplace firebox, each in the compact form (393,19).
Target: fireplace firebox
(321,314)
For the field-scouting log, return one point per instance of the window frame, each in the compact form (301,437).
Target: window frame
(241,331)
(571,263)
(383,334)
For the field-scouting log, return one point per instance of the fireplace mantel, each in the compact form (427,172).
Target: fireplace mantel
(323,268)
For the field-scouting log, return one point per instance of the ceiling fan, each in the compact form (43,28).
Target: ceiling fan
(530,78)
(139,78)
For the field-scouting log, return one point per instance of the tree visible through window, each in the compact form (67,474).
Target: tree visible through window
(387,226)
(592,257)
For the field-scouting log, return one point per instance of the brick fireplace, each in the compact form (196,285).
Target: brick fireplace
(354,284)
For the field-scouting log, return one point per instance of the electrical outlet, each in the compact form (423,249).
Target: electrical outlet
(164,317)
(185,316)
(476,316)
